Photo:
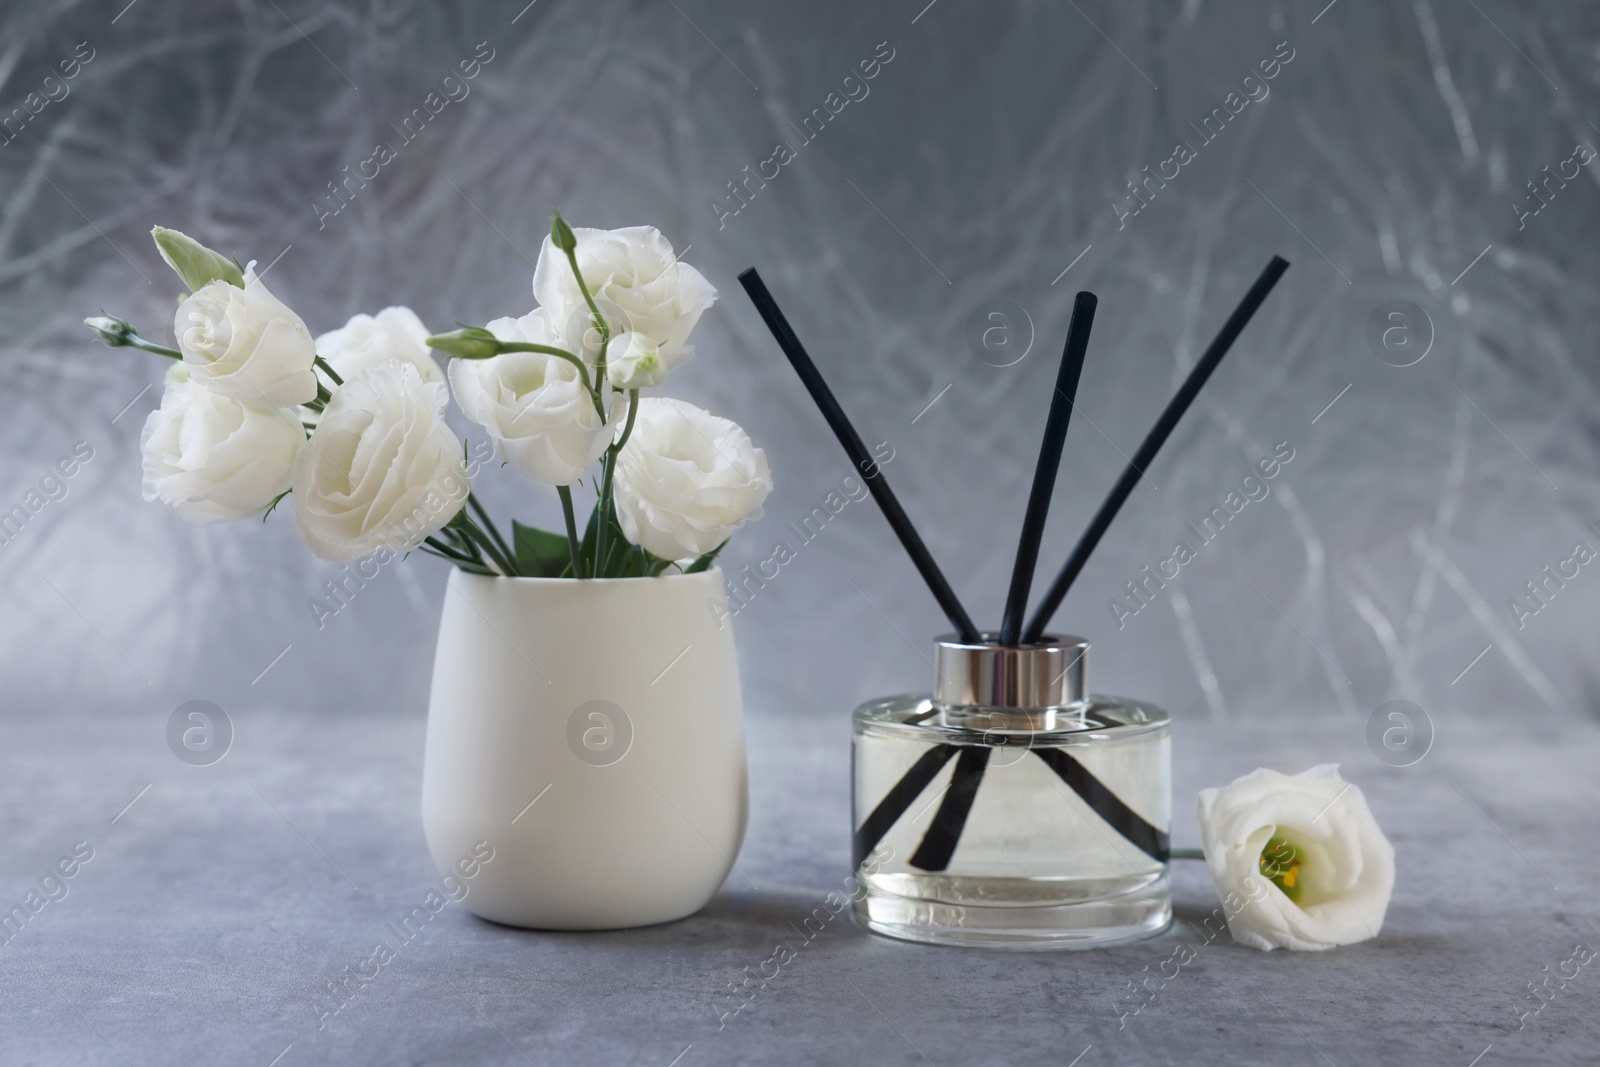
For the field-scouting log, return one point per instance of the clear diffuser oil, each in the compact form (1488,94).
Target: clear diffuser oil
(1009,808)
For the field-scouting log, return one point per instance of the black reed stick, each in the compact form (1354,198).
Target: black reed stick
(895,802)
(939,843)
(1151,840)
(1044,473)
(870,472)
(949,821)
(944,832)
(1152,444)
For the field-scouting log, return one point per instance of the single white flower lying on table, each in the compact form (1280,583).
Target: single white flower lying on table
(687,479)
(1329,871)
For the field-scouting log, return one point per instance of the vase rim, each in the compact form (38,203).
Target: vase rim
(678,576)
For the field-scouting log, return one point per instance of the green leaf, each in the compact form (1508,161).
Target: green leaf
(540,553)
(624,565)
(617,552)
(623,558)
(704,561)
(632,561)
(196,264)
(586,547)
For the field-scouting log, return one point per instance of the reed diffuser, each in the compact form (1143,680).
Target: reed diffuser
(1011,807)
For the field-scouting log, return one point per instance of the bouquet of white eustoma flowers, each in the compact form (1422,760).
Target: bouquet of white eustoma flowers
(351,424)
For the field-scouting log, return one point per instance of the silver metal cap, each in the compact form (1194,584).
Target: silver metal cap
(1035,681)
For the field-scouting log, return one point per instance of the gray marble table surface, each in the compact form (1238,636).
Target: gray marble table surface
(221,901)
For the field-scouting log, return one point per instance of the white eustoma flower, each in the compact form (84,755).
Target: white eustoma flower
(382,469)
(687,479)
(633,361)
(533,405)
(1306,853)
(368,340)
(245,343)
(635,279)
(212,458)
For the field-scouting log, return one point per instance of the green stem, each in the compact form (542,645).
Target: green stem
(501,562)
(603,504)
(467,528)
(524,346)
(600,323)
(607,489)
(135,341)
(565,492)
(488,524)
(1187,854)
(461,564)
(333,375)
(435,547)
(461,546)
(594,309)
(627,427)
(445,550)
(601,536)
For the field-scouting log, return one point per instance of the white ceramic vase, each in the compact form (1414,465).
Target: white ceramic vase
(589,731)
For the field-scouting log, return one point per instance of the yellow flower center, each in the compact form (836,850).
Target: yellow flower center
(1280,862)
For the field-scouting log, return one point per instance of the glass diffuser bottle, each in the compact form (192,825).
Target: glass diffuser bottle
(1010,807)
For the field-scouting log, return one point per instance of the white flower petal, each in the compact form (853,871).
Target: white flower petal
(636,281)
(246,344)
(687,479)
(382,469)
(212,458)
(535,409)
(368,340)
(1346,864)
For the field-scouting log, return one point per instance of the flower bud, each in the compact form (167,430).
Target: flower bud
(561,234)
(196,264)
(112,331)
(469,342)
(636,362)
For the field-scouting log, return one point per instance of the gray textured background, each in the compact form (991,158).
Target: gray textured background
(1388,163)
